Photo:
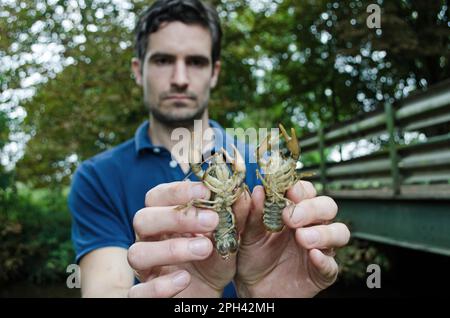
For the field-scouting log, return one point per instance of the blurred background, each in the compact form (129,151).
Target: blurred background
(372,107)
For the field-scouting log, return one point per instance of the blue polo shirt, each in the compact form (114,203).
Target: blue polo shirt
(109,188)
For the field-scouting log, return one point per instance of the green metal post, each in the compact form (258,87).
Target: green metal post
(323,159)
(393,155)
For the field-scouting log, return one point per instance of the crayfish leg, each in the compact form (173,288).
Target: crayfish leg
(197,203)
(290,204)
(259,176)
(183,208)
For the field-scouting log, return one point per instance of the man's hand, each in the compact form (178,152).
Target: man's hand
(298,261)
(173,254)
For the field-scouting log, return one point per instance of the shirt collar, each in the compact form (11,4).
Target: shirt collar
(142,140)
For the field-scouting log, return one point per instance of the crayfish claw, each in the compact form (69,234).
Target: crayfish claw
(263,147)
(237,162)
(291,142)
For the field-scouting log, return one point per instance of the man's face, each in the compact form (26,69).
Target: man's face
(177,73)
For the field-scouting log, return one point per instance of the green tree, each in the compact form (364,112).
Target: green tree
(301,63)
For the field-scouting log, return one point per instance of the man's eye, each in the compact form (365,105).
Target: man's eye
(197,62)
(162,61)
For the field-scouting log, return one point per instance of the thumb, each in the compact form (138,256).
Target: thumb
(254,228)
(241,209)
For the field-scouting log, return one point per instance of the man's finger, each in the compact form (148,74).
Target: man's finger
(310,211)
(300,191)
(162,287)
(241,209)
(325,265)
(254,228)
(175,193)
(323,236)
(161,220)
(145,255)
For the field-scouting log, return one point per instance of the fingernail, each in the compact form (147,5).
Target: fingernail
(311,236)
(181,279)
(199,191)
(207,219)
(298,189)
(297,215)
(199,247)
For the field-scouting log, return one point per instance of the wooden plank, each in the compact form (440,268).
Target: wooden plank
(424,105)
(309,143)
(441,176)
(428,122)
(435,141)
(356,128)
(431,191)
(380,193)
(361,183)
(349,168)
(435,158)
(409,192)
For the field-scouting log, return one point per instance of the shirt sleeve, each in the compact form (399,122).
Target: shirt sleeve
(96,220)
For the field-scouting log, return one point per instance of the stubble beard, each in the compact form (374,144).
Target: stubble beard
(172,119)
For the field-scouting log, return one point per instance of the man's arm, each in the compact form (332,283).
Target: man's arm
(105,272)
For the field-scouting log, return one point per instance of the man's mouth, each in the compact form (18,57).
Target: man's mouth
(179,97)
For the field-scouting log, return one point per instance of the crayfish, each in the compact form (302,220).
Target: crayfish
(226,188)
(279,175)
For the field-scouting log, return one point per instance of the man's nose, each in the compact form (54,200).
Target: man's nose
(180,77)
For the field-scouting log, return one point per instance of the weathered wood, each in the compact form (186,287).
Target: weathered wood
(428,177)
(356,128)
(428,122)
(424,105)
(435,141)
(307,143)
(381,193)
(408,165)
(430,159)
(361,183)
(409,192)
(349,168)
(430,191)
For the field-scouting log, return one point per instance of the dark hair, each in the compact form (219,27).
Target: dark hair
(186,11)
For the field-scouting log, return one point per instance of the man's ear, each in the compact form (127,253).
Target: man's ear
(136,68)
(215,74)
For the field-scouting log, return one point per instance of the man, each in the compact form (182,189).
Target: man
(122,232)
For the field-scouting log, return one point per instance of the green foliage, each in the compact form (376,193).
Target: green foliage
(354,258)
(301,63)
(34,229)
(281,62)
(35,236)
(4,129)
